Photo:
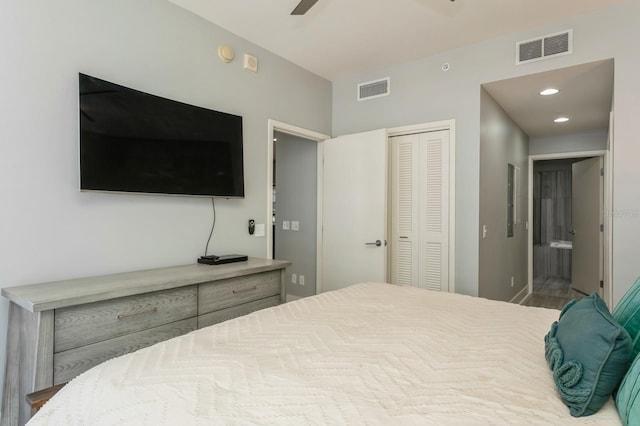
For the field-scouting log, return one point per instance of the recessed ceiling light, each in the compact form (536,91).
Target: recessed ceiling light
(561,120)
(547,92)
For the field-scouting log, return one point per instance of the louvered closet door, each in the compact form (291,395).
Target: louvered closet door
(420,210)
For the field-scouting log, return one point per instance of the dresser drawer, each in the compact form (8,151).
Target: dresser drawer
(95,322)
(236,291)
(69,364)
(236,311)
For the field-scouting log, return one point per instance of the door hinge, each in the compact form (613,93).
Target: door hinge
(601,227)
(602,171)
(601,284)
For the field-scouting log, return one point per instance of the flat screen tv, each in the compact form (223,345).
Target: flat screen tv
(135,142)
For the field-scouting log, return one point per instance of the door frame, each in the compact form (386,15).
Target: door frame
(435,126)
(274,125)
(278,126)
(607,233)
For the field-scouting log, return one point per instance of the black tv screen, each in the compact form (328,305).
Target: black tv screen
(131,141)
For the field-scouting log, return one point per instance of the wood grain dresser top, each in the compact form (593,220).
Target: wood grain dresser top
(60,294)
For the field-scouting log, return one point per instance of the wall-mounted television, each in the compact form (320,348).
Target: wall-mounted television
(135,142)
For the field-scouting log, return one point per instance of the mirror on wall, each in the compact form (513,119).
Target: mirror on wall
(512,176)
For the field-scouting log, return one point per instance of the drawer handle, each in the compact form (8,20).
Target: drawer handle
(132,314)
(245,290)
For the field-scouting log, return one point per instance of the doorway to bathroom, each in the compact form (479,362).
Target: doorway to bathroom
(567,238)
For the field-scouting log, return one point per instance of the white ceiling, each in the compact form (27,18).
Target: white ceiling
(585,98)
(340,38)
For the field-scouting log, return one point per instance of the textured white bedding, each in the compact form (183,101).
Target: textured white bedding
(371,354)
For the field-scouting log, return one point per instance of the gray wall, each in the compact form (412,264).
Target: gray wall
(296,199)
(49,230)
(590,141)
(422,92)
(501,257)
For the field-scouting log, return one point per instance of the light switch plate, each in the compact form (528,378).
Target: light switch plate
(295,225)
(259,231)
(286,225)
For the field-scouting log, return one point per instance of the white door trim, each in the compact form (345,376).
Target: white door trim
(608,216)
(432,127)
(608,288)
(279,126)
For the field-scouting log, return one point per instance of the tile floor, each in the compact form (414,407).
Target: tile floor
(551,293)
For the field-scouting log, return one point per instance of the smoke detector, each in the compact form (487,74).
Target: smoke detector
(226,53)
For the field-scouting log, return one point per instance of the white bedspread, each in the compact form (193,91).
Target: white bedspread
(371,354)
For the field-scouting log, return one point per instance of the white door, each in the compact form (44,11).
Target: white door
(586,218)
(354,209)
(420,210)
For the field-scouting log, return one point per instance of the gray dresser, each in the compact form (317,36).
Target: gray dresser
(58,330)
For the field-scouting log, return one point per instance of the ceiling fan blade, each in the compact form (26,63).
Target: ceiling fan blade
(303,7)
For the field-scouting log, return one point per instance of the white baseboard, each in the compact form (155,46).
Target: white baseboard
(292,297)
(521,296)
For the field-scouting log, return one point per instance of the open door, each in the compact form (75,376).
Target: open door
(354,210)
(587,204)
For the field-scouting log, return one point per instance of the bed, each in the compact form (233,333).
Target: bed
(369,354)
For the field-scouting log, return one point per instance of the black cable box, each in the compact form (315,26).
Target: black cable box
(219,260)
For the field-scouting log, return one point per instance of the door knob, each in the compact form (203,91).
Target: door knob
(377,243)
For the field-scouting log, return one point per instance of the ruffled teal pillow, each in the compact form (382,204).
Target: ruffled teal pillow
(628,396)
(627,313)
(588,353)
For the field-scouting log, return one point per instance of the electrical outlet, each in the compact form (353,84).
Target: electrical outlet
(301,280)
(294,278)
(295,225)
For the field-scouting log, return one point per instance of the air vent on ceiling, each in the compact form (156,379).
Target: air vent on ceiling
(373,89)
(543,47)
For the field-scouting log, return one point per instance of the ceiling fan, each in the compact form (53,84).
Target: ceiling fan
(303,7)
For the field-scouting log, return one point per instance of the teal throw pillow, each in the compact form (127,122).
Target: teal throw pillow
(628,396)
(627,313)
(588,353)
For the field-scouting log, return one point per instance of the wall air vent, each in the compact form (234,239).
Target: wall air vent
(544,47)
(373,89)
